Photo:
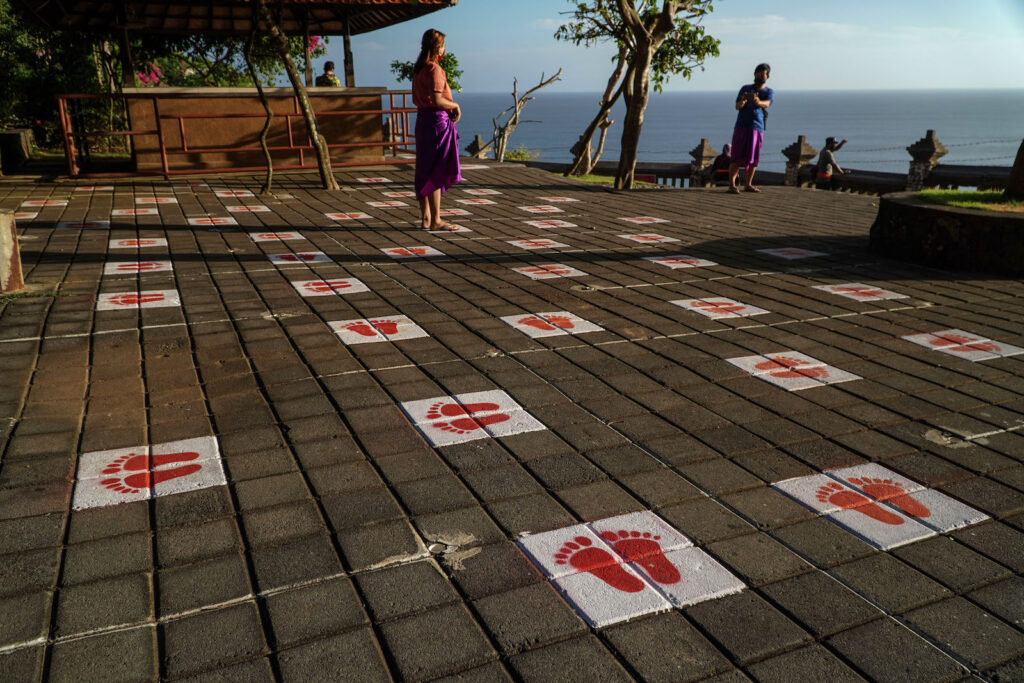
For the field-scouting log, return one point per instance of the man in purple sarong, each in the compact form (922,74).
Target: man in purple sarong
(437,140)
(752,103)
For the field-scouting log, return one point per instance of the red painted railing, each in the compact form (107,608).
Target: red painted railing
(399,138)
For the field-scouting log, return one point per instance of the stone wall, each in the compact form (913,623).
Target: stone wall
(964,239)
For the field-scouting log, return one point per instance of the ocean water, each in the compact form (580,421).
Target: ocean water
(981,127)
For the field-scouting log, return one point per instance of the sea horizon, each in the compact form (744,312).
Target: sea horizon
(878,124)
(801,91)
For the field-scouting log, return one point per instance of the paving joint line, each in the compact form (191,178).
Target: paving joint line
(423,556)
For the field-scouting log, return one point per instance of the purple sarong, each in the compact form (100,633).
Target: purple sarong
(746,146)
(437,152)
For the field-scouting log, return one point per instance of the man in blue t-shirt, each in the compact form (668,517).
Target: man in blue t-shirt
(752,103)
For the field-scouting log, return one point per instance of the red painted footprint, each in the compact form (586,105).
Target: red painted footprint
(958,342)
(781,367)
(581,554)
(362,328)
(552,322)
(859,291)
(892,492)
(144,470)
(848,499)
(386,326)
(327,285)
(541,270)
(465,421)
(643,549)
(134,267)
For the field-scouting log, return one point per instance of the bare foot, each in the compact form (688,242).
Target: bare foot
(751,188)
(443,226)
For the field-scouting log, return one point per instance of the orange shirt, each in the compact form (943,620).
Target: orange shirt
(429,80)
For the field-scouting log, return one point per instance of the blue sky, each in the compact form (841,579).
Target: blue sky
(811,45)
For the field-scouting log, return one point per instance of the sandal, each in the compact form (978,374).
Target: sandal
(733,189)
(751,188)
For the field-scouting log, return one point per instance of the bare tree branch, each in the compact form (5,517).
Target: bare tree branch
(502,132)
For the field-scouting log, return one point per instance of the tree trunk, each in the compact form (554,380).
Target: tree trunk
(1015,186)
(582,163)
(600,145)
(323,153)
(268,181)
(636,95)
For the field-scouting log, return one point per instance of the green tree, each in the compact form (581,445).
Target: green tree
(653,43)
(449,64)
(37,63)
(204,61)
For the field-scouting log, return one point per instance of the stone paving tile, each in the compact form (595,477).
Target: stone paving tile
(418,658)
(101,657)
(314,557)
(320,660)
(809,663)
(908,656)
(590,661)
(975,635)
(747,627)
(665,647)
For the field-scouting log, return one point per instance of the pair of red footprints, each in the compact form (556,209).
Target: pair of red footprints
(719,307)
(958,342)
(783,366)
(879,489)
(464,420)
(138,472)
(371,327)
(552,322)
(135,299)
(641,548)
(328,285)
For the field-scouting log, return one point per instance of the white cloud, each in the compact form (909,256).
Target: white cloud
(546,24)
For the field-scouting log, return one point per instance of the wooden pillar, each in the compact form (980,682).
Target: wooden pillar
(350,74)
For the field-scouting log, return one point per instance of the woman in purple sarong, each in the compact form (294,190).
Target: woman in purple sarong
(437,140)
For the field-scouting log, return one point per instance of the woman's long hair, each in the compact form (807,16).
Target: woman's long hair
(430,47)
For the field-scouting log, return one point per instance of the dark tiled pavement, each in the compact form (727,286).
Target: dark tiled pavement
(345,546)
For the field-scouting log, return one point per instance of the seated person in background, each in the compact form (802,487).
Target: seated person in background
(327,79)
(720,166)
(827,165)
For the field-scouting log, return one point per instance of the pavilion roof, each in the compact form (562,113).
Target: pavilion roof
(225,17)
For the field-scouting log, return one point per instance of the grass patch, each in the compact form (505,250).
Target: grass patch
(30,294)
(51,155)
(607,180)
(520,153)
(986,200)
